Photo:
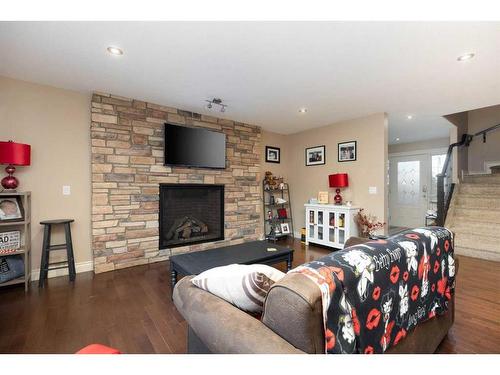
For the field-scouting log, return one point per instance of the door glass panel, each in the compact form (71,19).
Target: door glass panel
(341,222)
(320,217)
(409,183)
(332,235)
(341,236)
(437,168)
(320,233)
(311,217)
(331,221)
(311,230)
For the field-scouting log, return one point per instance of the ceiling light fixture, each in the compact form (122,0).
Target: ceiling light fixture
(409,117)
(465,57)
(218,102)
(303,110)
(396,139)
(115,51)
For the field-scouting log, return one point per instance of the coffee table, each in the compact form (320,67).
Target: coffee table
(244,253)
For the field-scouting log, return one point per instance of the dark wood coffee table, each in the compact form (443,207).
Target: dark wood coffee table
(245,253)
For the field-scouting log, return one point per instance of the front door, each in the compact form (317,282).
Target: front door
(408,190)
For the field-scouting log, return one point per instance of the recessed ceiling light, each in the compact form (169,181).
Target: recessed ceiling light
(115,51)
(303,110)
(396,139)
(465,57)
(409,117)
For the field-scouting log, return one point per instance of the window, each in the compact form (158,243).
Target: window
(437,168)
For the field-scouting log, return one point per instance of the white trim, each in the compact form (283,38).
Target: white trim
(430,151)
(80,267)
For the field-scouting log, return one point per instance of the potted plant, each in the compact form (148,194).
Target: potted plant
(368,224)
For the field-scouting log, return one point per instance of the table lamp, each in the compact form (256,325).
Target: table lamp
(12,153)
(338,180)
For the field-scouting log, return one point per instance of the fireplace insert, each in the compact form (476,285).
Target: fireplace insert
(190,214)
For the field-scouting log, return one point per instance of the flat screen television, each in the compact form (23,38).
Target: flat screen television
(194,147)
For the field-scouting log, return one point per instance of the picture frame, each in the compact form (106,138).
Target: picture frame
(323,197)
(347,151)
(273,154)
(11,209)
(285,228)
(316,155)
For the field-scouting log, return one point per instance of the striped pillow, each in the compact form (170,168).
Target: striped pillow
(244,286)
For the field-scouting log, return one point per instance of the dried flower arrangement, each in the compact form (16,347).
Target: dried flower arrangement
(367,223)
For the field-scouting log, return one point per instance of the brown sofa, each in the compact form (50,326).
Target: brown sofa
(292,321)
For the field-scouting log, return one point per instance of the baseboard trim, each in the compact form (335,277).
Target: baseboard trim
(80,267)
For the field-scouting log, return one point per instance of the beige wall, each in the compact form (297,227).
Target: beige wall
(275,140)
(421,145)
(56,124)
(368,170)
(480,152)
(460,155)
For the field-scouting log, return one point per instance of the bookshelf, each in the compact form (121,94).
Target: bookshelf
(272,207)
(24,227)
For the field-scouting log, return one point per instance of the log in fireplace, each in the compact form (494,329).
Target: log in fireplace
(190,213)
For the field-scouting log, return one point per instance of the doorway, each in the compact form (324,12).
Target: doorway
(412,190)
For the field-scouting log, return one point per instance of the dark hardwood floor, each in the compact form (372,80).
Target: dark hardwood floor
(131,310)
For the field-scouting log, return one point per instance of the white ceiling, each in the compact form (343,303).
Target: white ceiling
(419,128)
(266,71)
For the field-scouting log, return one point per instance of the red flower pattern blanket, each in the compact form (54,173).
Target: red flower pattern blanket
(373,294)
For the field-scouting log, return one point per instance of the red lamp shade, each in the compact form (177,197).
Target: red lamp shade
(13,153)
(338,180)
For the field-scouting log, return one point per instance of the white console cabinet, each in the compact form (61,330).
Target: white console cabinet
(329,224)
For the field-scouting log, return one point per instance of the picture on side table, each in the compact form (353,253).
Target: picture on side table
(315,155)
(347,151)
(272,154)
(10,209)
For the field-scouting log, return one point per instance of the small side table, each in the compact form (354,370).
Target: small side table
(45,265)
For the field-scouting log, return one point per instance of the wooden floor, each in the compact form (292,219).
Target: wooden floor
(131,310)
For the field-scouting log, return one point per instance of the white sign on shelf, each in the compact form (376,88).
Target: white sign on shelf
(10,240)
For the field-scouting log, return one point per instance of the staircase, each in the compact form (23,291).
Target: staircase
(474,216)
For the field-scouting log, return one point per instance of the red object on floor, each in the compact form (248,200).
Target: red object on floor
(98,349)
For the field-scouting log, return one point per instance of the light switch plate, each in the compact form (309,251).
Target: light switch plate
(66,190)
(372,190)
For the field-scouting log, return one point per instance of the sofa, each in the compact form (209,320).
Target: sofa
(292,321)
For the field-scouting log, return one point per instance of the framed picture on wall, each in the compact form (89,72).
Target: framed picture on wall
(315,155)
(272,154)
(347,151)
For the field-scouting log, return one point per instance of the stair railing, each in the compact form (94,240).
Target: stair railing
(445,186)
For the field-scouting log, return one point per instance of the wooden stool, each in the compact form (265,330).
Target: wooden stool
(47,248)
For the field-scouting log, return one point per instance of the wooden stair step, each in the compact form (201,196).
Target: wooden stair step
(477,253)
(482,179)
(475,241)
(479,189)
(475,201)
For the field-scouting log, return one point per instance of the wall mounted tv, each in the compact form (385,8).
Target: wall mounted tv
(194,147)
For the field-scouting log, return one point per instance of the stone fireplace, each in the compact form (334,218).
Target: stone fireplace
(190,213)
(128,169)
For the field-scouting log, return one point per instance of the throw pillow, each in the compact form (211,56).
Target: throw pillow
(244,286)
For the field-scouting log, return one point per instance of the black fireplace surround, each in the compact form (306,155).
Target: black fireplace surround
(190,214)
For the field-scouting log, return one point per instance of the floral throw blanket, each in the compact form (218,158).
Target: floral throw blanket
(373,294)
